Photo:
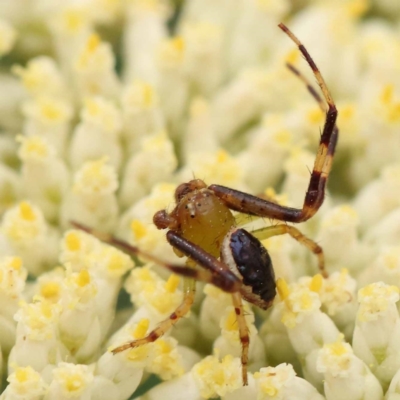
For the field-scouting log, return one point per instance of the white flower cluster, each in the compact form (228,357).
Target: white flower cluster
(105,107)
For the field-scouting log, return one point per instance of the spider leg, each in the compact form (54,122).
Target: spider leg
(314,197)
(269,231)
(189,290)
(228,282)
(243,334)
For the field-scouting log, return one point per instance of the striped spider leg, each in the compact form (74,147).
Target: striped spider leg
(203,228)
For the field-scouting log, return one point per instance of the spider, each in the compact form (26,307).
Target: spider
(202,228)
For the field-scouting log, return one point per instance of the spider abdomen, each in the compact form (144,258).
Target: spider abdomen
(248,259)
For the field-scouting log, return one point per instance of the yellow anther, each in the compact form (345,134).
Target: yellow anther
(50,290)
(46,309)
(138,228)
(367,290)
(338,348)
(316,116)
(74,383)
(91,107)
(141,328)
(148,95)
(283,289)
(72,241)
(222,156)
(347,112)
(26,211)
(306,301)
(93,42)
(394,112)
(51,112)
(22,375)
(73,20)
(172,283)
(292,56)
(16,263)
(356,8)
(163,346)
(33,145)
(316,283)
(83,278)
(116,262)
(178,44)
(387,94)
(231,321)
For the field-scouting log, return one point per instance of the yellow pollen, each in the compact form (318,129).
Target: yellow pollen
(172,283)
(83,278)
(92,107)
(148,95)
(347,112)
(50,112)
(26,211)
(367,290)
(46,309)
(316,283)
(357,8)
(231,322)
(73,20)
(222,156)
(50,290)
(36,146)
(16,263)
(292,56)
(73,242)
(163,346)
(306,302)
(283,289)
(338,348)
(116,262)
(315,116)
(387,94)
(74,383)
(138,228)
(22,374)
(93,42)
(178,44)
(141,328)
(394,112)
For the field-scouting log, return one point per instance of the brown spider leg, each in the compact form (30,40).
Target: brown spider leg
(253,205)
(228,283)
(270,231)
(189,290)
(243,334)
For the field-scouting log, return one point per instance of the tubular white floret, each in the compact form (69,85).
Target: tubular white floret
(338,298)
(25,232)
(148,290)
(155,161)
(145,29)
(216,377)
(92,200)
(141,112)
(24,382)
(97,135)
(45,176)
(339,236)
(377,329)
(37,341)
(282,383)
(42,77)
(308,328)
(71,381)
(8,36)
(346,376)
(48,117)
(94,69)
